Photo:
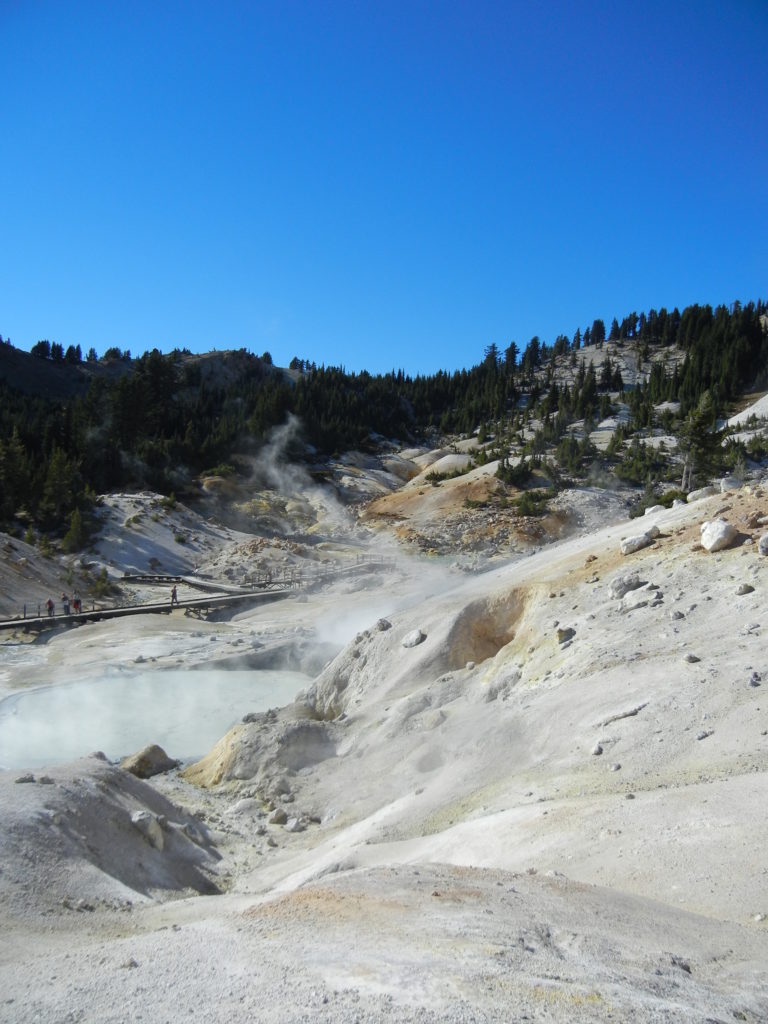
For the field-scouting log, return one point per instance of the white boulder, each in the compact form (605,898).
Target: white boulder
(621,585)
(762,546)
(730,483)
(640,540)
(414,638)
(717,534)
(702,492)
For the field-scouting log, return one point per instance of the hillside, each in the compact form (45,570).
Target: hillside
(539,786)
(654,386)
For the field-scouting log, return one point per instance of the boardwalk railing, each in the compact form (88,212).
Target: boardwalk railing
(219,595)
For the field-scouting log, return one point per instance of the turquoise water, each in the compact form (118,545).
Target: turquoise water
(184,712)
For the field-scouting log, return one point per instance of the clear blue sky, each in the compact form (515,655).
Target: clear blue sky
(375,185)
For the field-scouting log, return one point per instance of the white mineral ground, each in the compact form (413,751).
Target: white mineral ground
(554,807)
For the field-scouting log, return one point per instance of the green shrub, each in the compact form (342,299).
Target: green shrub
(533,503)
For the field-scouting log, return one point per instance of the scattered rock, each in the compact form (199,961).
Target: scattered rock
(762,545)
(295,825)
(278,817)
(621,585)
(566,633)
(691,659)
(383,625)
(729,483)
(632,544)
(616,767)
(754,679)
(414,638)
(654,508)
(678,962)
(717,534)
(152,760)
(248,805)
(597,749)
(676,615)
(704,734)
(149,827)
(29,777)
(744,588)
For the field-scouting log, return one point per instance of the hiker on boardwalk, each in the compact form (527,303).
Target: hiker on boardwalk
(49,606)
(77,604)
(65,603)
(174,596)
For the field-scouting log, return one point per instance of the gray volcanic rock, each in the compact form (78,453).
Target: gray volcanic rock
(150,760)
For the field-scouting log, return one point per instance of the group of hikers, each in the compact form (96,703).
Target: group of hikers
(76,604)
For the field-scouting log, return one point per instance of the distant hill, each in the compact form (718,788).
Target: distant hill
(71,427)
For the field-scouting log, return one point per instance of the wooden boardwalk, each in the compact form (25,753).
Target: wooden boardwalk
(218,595)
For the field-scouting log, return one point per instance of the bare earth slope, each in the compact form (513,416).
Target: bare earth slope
(538,794)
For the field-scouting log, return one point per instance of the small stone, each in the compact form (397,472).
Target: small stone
(744,588)
(565,633)
(383,624)
(150,828)
(414,638)
(677,962)
(754,679)
(29,777)
(295,825)
(704,734)
(278,817)
(762,545)
(692,659)
(616,767)
(45,780)
(629,796)
(621,585)
(676,616)
(470,666)
(597,749)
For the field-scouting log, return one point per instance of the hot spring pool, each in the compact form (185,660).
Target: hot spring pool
(186,712)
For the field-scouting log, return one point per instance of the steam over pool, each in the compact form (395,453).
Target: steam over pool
(186,712)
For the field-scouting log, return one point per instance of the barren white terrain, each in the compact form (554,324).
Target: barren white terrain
(533,793)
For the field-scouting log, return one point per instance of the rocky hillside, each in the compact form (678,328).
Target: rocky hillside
(539,787)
